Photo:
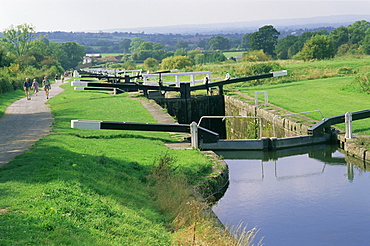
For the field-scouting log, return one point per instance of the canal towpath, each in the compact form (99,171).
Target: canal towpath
(25,122)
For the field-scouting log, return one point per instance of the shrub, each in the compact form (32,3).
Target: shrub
(151,63)
(256,68)
(256,55)
(176,62)
(363,81)
(346,70)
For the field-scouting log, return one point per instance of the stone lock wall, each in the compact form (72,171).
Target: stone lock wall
(284,127)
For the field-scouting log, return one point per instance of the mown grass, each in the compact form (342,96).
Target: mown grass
(332,96)
(89,187)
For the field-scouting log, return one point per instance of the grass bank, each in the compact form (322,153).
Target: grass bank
(332,96)
(91,187)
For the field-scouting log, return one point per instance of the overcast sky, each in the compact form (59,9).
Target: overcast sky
(91,15)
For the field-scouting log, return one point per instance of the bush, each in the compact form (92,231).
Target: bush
(346,70)
(256,68)
(5,82)
(256,55)
(176,62)
(151,63)
(363,81)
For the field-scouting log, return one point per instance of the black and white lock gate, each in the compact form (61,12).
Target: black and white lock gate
(198,133)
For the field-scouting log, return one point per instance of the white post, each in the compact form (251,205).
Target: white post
(192,79)
(76,74)
(256,97)
(177,80)
(194,135)
(348,120)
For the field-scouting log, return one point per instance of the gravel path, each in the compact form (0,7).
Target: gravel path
(24,123)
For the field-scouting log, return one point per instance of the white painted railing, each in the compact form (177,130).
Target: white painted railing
(147,77)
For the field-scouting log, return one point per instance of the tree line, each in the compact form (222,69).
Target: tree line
(23,54)
(264,44)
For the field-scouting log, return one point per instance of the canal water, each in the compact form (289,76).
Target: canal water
(306,196)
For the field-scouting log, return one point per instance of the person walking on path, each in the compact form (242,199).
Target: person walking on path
(35,86)
(46,85)
(27,86)
(16,136)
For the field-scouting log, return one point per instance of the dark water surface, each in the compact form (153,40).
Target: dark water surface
(312,198)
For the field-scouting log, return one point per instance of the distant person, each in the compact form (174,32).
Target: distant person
(35,86)
(27,87)
(46,85)
(62,78)
(56,77)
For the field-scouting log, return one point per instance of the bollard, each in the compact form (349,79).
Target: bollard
(194,135)
(348,120)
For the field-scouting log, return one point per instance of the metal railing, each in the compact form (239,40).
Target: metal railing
(224,117)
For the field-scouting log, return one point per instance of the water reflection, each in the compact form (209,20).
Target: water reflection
(310,196)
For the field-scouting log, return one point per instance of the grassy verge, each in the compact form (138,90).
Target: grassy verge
(93,187)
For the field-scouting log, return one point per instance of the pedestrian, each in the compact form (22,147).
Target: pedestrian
(46,85)
(35,86)
(26,87)
(56,77)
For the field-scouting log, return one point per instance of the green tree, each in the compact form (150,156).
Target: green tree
(181,45)
(5,58)
(208,57)
(218,43)
(283,46)
(18,38)
(31,58)
(318,47)
(234,43)
(265,39)
(135,43)
(339,36)
(357,31)
(151,63)
(73,54)
(145,46)
(246,43)
(202,44)
(181,52)
(124,45)
(366,44)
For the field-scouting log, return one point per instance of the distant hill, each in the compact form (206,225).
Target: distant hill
(249,26)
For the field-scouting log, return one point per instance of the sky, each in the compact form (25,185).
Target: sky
(94,15)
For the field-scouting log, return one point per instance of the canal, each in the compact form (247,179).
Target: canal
(307,196)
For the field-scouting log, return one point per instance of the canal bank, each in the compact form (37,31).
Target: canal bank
(281,128)
(213,185)
(290,126)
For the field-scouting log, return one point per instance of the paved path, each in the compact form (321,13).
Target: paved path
(24,123)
